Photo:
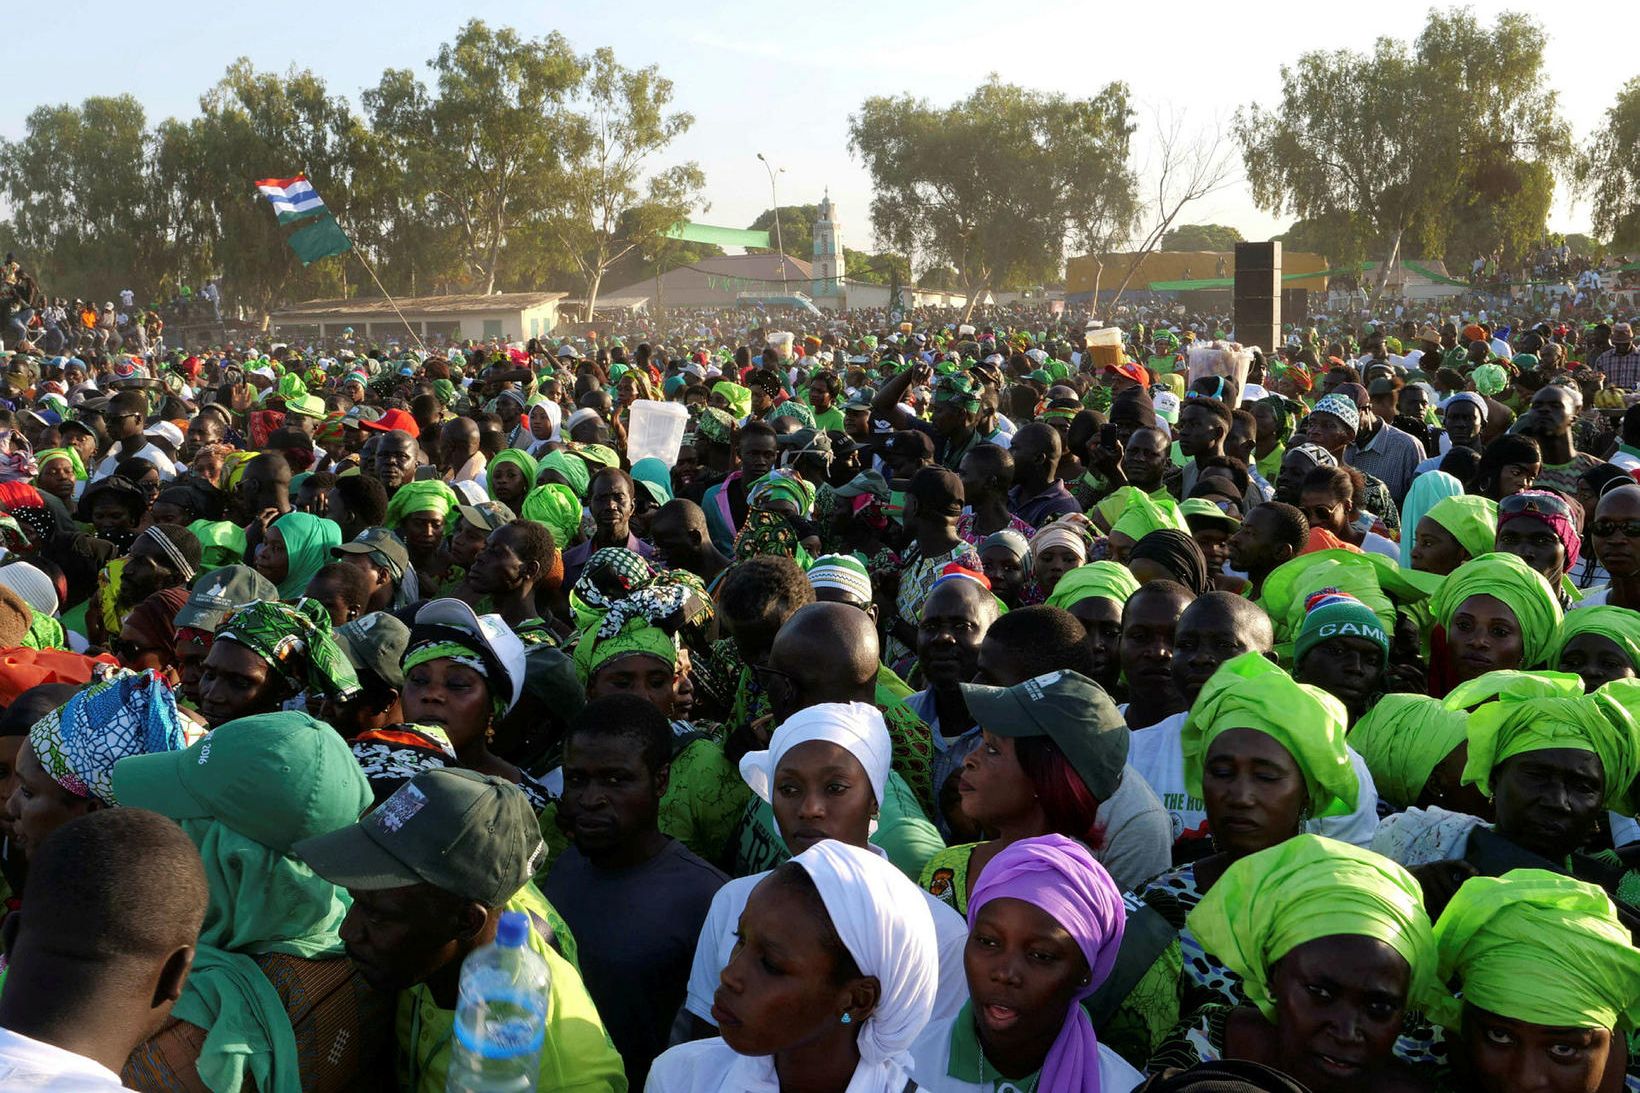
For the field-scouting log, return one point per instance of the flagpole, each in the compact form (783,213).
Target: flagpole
(390,301)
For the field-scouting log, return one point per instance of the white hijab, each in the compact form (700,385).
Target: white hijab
(855,726)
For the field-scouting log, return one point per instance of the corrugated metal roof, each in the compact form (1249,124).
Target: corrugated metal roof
(419,305)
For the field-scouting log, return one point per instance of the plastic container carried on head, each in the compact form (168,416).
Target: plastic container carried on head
(1104,345)
(501,1014)
(656,429)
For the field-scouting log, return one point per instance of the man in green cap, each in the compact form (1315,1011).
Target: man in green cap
(430,870)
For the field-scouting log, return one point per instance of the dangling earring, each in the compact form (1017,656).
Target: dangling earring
(848,1019)
(489,733)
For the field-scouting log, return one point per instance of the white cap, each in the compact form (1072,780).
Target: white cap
(32,585)
(491,630)
(167,431)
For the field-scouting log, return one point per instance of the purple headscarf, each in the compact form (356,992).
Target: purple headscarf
(1061,877)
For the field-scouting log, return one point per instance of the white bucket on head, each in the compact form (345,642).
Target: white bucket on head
(656,429)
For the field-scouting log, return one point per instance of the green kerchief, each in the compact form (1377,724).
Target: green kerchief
(739,398)
(1514,583)
(223,543)
(1489,378)
(308,540)
(425,495)
(518,458)
(654,475)
(73,457)
(1531,926)
(1140,513)
(715,425)
(779,486)
(573,469)
(296,641)
(1250,692)
(1292,583)
(1472,693)
(556,506)
(445,392)
(1509,727)
(1402,739)
(1618,625)
(637,636)
(1109,580)
(1469,518)
(958,389)
(1269,903)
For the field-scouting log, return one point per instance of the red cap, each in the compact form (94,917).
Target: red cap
(391,420)
(1133,371)
(957,569)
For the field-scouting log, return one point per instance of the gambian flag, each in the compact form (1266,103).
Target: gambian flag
(293,198)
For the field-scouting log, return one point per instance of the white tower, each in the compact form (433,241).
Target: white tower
(828,254)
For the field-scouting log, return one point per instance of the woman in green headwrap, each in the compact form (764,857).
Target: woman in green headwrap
(420,512)
(566,469)
(294,548)
(1599,643)
(1135,514)
(733,398)
(1261,755)
(1416,747)
(1095,593)
(222,542)
(1493,612)
(1545,984)
(556,506)
(1332,946)
(61,473)
(511,475)
(1452,531)
(268,652)
(1427,490)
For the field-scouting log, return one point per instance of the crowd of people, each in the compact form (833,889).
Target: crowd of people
(960,706)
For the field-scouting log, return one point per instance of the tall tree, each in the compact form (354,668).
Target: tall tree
(604,205)
(1609,172)
(1201,237)
(487,146)
(796,230)
(998,184)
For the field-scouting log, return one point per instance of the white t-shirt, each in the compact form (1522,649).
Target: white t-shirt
(1157,752)
(1380,545)
(931,1056)
(27,1064)
(711,1066)
(167,469)
(717,942)
(1595,597)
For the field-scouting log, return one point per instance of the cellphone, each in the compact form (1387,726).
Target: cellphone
(1107,437)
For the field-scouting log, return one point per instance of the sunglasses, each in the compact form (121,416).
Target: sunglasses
(1605,529)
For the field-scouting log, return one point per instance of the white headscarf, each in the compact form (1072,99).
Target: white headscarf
(855,726)
(884,923)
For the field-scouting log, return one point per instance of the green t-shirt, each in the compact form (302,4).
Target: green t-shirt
(829,420)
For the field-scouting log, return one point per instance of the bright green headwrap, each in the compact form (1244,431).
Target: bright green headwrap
(1490,378)
(781,486)
(1618,625)
(637,636)
(739,398)
(556,506)
(518,458)
(959,389)
(1508,579)
(1140,514)
(1501,730)
(73,457)
(427,495)
(308,540)
(1110,580)
(1530,926)
(573,468)
(1469,518)
(1249,692)
(1427,491)
(1291,584)
(223,543)
(1472,693)
(1307,888)
(1402,739)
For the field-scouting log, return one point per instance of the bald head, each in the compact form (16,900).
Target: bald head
(828,652)
(1238,613)
(458,440)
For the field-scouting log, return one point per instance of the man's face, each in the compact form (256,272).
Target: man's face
(395,460)
(398,937)
(498,568)
(1554,409)
(820,396)
(672,539)
(611,504)
(1200,431)
(1206,638)
(610,797)
(1463,423)
(147,571)
(1254,547)
(1145,459)
(949,634)
(202,430)
(1622,337)
(1329,431)
(1243,437)
(333,595)
(757,456)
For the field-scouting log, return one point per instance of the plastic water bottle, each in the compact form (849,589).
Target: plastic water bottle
(501,1014)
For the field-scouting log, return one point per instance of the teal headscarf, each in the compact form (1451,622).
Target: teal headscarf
(1426,490)
(656,476)
(308,540)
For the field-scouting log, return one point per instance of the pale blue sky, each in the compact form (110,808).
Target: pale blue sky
(782,78)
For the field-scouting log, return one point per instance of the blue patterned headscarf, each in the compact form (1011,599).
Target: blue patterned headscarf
(79,742)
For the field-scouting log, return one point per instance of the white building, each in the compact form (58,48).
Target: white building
(515,316)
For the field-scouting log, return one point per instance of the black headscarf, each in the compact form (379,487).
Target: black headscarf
(1179,554)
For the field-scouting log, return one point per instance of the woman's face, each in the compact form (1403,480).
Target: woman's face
(57,477)
(451,696)
(993,786)
(1484,637)
(821,791)
(1253,792)
(236,683)
(1504,1055)
(1536,544)
(423,532)
(1004,571)
(1514,477)
(38,805)
(1052,564)
(1434,550)
(642,674)
(1323,510)
(150,485)
(1549,801)
(781,986)
(1024,972)
(466,543)
(1340,1002)
(110,514)
(272,559)
(509,484)
(628,391)
(1597,659)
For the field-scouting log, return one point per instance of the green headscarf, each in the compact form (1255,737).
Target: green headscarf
(1292,583)
(463,654)
(1307,888)
(1469,518)
(1473,693)
(1619,625)
(518,458)
(1490,378)
(638,635)
(654,474)
(1140,514)
(574,470)
(426,495)
(958,389)
(1517,585)
(556,506)
(1249,692)
(73,457)
(1109,580)
(1402,739)
(1531,926)
(739,398)
(1598,723)
(222,542)
(715,425)
(296,641)
(308,540)
(781,486)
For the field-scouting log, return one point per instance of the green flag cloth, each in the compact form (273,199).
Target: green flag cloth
(320,239)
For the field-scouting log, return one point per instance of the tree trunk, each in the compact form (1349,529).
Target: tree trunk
(594,278)
(1383,274)
(974,293)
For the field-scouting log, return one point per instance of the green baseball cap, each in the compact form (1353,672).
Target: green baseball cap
(1200,508)
(275,778)
(382,544)
(470,834)
(306,406)
(215,595)
(375,645)
(488,515)
(1068,708)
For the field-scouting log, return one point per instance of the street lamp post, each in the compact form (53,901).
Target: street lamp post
(779,244)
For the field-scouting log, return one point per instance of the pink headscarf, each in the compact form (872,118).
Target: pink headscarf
(1060,876)
(1560,513)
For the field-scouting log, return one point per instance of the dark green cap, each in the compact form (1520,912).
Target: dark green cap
(375,645)
(1068,708)
(488,515)
(471,834)
(216,594)
(383,545)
